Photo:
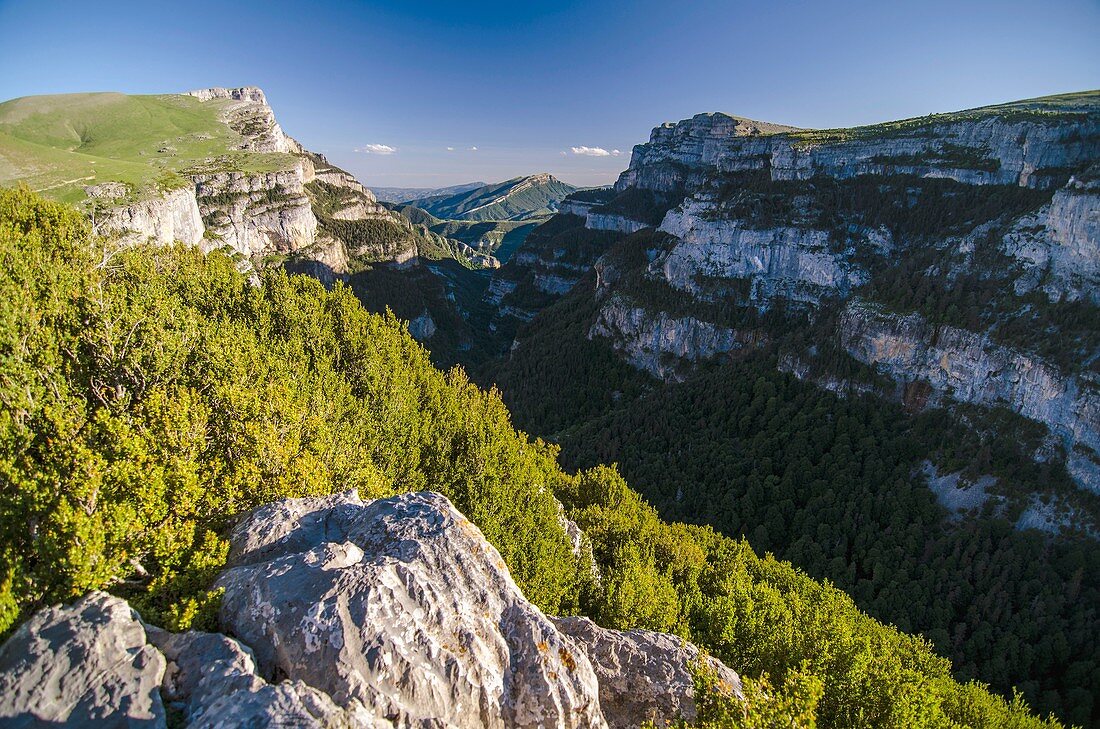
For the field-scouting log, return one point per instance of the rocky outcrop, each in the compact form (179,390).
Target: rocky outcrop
(86,664)
(390,613)
(257,213)
(326,260)
(675,150)
(570,206)
(172,217)
(422,327)
(612,222)
(400,605)
(659,343)
(795,264)
(248,94)
(968,367)
(644,676)
(212,679)
(1059,245)
(245,110)
(498,289)
(94,663)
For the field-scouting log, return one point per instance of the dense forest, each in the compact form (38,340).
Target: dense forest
(836,485)
(152,395)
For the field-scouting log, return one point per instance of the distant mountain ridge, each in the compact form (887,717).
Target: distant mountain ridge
(408,194)
(520,198)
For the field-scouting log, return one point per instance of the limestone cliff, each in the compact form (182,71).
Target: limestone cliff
(988,218)
(787,262)
(259,213)
(249,115)
(967,367)
(1057,245)
(175,216)
(659,343)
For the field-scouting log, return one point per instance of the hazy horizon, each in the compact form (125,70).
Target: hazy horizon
(449,93)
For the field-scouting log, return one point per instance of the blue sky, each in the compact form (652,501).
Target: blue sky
(526,83)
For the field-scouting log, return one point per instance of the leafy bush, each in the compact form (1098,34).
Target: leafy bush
(152,395)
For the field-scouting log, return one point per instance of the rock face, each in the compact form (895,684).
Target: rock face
(87,664)
(164,220)
(422,327)
(794,264)
(256,214)
(658,343)
(401,606)
(644,676)
(1059,246)
(968,367)
(612,222)
(247,113)
(213,679)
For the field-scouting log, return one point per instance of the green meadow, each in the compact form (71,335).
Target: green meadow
(59,144)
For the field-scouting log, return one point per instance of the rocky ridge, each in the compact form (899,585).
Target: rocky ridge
(967,367)
(721,174)
(388,613)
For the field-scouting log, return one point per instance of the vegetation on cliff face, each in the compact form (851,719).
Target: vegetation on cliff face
(150,396)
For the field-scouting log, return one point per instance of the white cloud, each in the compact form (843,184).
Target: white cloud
(563,153)
(473,149)
(377,149)
(450,149)
(595,152)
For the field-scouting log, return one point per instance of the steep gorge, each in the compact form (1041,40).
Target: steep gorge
(916,297)
(253,458)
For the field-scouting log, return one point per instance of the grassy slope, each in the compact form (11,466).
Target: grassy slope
(58,144)
(1044,107)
